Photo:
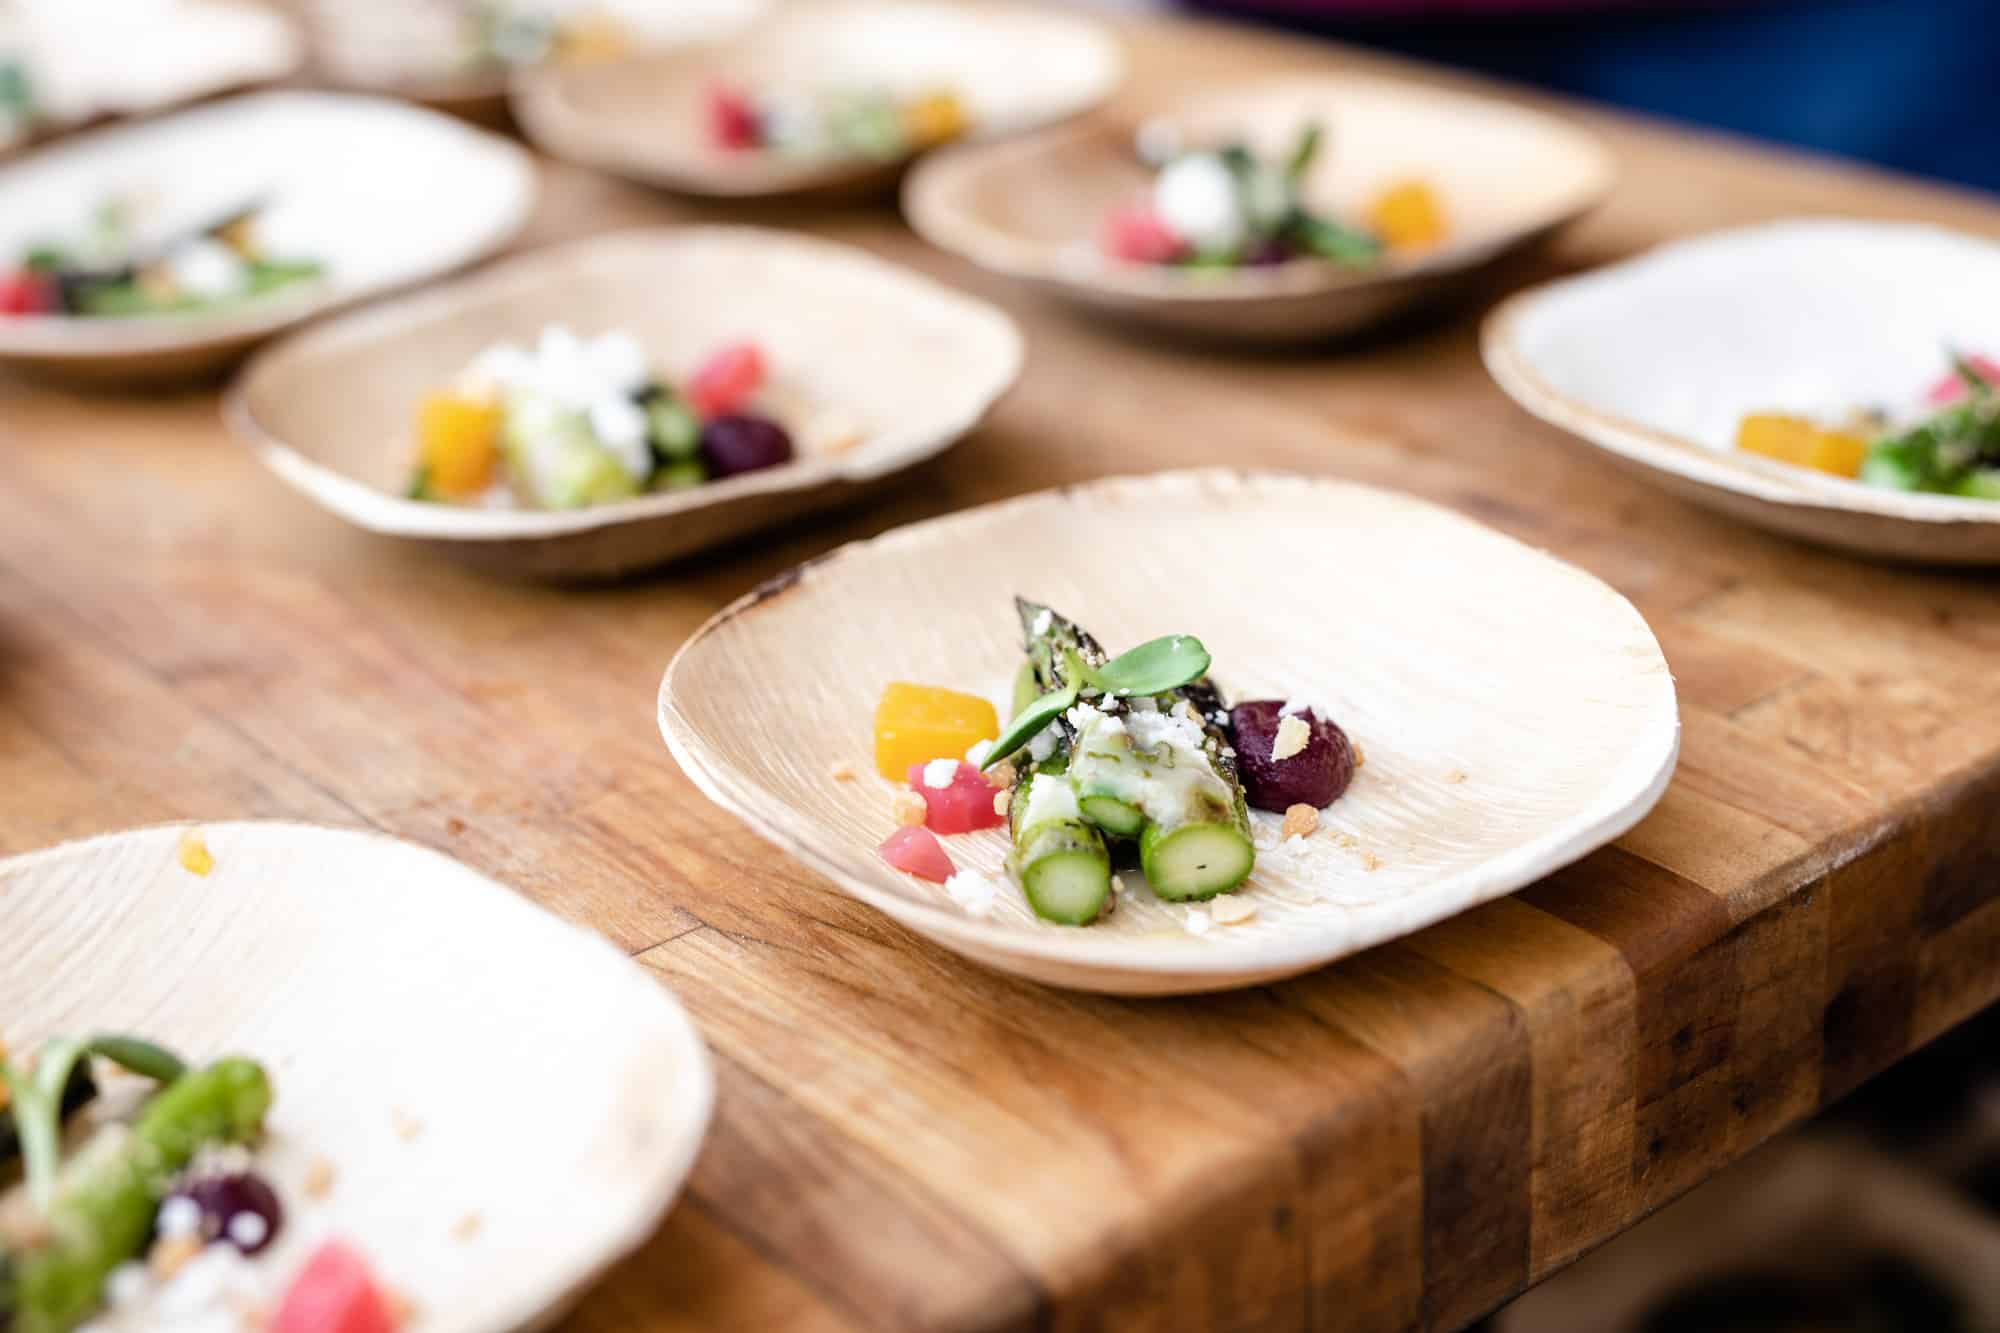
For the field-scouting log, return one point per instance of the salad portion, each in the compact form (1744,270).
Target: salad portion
(872,124)
(112,269)
(1227,207)
(1950,445)
(573,422)
(140,1204)
(1107,761)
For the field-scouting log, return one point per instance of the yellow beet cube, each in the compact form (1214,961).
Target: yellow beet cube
(1799,442)
(915,724)
(458,443)
(933,119)
(1408,216)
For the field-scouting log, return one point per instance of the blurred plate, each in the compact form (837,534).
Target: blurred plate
(383,194)
(1492,757)
(1034,208)
(914,364)
(1014,68)
(381,984)
(418,49)
(93,58)
(1655,360)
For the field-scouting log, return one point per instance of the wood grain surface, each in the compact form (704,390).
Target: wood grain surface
(905,1142)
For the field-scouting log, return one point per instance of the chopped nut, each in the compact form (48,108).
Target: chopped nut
(1370,861)
(1002,799)
(408,1127)
(909,808)
(1456,775)
(467,1227)
(1345,839)
(319,1178)
(1359,758)
(454,826)
(842,771)
(1300,821)
(1002,774)
(1231,910)
(195,856)
(170,1254)
(1294,734)
(402,1310)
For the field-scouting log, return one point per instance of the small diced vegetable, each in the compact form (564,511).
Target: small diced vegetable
(1139,235)
(963,804)
(1801,443)
(933,119)
(25,292)
(334,1293)
(918,723)
(732,118)
(458,444)
(915,851)
(727,379)
(672,430)
(741,442)
(1408,216)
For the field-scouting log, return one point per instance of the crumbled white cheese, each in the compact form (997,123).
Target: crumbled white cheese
(1196,197)
(206,268)
(1043,618)
(128,1284)
(179,1216)
(1292,738)
(620,362)
(1043,745)
(976,753)
(620,426)
(1149,731)
(1084,717)
(1195,922)
(972,891)
(248,1229)
(938,773)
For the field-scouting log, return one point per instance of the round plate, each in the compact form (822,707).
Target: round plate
(451,1050)
(1493,756)
(382,193)
(1034,208)
(1014,68)
(913,364)
(1656,359)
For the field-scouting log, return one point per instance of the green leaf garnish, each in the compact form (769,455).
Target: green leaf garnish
(36,1098)
(1304,153)
(1154,667)
(1030,721)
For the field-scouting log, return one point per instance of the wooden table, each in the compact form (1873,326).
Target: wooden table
(1401,1141)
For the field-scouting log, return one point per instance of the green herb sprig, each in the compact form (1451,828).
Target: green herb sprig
(1154,667)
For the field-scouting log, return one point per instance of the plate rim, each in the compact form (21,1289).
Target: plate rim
(1616,811)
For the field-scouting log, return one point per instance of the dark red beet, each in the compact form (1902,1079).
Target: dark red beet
(1315,776)
(744,443)
(224,1198)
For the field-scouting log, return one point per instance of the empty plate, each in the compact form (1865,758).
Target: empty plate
(1492,756)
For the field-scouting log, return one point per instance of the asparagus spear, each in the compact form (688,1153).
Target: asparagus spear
(1063,865)
(1159,769)
(104,1206)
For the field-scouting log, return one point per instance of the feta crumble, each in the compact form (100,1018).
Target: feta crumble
(977,752)
(938,773)
(1043,619)
(1196,921)
(972,891)
(1292,738)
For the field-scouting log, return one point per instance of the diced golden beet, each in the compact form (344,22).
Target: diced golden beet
(1407,216)
(459,443)
(1799,442)
(915,724)
(934,118)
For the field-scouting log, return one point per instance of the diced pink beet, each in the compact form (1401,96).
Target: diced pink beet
(732,119)
(914,851)
(966,804)
(727,379)
(1951,388)
(334,1293)
(1137,234)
